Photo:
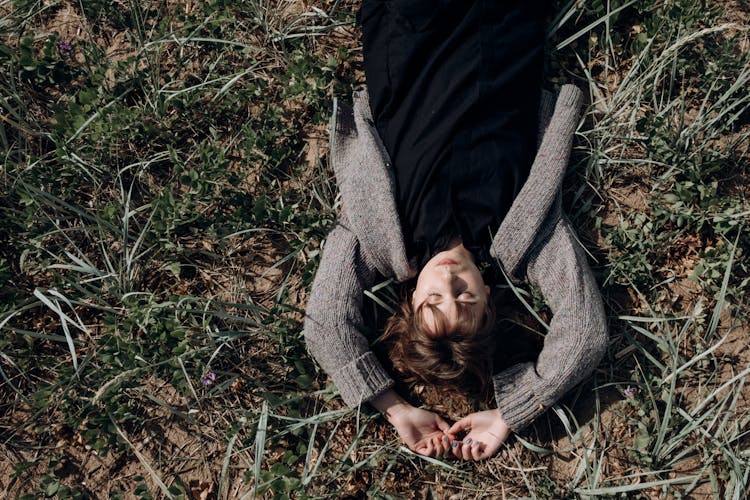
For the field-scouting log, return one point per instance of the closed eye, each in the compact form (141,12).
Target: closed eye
(464,297)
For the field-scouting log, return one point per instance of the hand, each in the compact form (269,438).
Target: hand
(422,431)
(486,432)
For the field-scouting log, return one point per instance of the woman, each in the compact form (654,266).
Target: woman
(438,168)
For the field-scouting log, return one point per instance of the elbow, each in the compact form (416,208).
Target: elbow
(598,340)
(597,337)
(309,337)
(312,332)
(601,345)
(593,339)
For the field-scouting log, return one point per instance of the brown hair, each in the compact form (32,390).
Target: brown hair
(461,358)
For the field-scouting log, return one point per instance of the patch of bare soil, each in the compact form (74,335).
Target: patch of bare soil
(67,22)
(623,199)
(72,26)
(681,292)
(737,11)
(176,441)
(256,272)
(734,357)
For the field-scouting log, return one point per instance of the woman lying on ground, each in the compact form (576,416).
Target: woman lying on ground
(453,156)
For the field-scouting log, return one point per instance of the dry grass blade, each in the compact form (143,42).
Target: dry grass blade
(430,460)
(588,28)
(614,490)
(225,466)
(65,320)
(113,383)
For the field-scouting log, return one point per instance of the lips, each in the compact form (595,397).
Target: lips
(447,262)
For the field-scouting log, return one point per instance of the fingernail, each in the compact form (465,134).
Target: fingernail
(468,441)
(455,444)
(446,440)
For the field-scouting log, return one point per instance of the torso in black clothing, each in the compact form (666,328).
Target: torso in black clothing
(454,89)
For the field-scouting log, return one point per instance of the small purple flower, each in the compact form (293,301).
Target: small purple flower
(208,379)
(630,392)
(64,47)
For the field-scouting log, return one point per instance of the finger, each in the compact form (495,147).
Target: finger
(423,447)
(445,445)
(459,426)
(476,451)
(437,445)
(442,424)
(456,449)
(431,449)
(466,449)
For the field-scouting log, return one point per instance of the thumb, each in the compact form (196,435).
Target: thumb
(442,424)
(460,425)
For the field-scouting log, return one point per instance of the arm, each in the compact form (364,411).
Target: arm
(573,346)
(333,319)
(333,331)
(534,237)
(538,202)
(577,338)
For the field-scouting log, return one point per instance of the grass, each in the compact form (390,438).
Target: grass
(165,193)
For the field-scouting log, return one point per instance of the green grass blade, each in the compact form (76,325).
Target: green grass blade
(594,24)
(260,445)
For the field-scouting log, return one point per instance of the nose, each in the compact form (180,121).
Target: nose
(450,280)
(447,274)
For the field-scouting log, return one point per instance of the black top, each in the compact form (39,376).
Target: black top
(454,89)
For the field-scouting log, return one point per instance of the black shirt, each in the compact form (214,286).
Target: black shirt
(454,90)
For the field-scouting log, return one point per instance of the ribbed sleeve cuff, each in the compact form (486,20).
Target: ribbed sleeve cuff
(361,379)
(520,396)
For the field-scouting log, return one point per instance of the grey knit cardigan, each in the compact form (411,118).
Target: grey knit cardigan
(534,244)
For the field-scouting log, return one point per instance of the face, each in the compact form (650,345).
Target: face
(450,278)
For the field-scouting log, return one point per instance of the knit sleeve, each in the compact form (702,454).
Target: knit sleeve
(528,219)
(333,320)
(577,338)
